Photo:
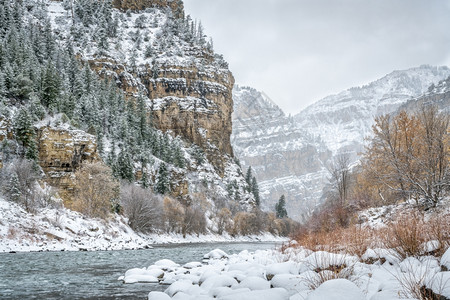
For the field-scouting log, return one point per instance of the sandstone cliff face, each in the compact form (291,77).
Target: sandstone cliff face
(190,96)
(61,152)
(186,86)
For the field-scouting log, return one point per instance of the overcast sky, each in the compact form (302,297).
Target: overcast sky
(299,51)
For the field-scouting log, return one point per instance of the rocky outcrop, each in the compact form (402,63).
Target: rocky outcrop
(176,6)
(61,152)
(290,155)
(284,158)
(185,100)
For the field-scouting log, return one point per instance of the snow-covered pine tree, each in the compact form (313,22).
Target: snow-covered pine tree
(162,180)
(280,208)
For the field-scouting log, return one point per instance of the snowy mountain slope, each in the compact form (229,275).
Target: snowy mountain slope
(285,158)
(342,121)
(437,94)
(290,155)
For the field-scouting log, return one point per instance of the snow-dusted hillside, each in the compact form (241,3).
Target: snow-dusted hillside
(284,157)
(60,229)
(290,155)
(342,121)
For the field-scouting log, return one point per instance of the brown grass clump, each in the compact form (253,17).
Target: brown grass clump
(408,235)
(354,240)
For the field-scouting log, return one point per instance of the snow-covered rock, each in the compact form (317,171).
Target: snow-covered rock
(158,296)
(337,289)
(445,260)
(215,254)
(254,283)
(272,294)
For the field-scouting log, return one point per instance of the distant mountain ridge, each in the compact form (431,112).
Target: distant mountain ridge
(343,120)
(290,155)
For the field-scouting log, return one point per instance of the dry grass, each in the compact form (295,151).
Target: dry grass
(406,235)
(353,240)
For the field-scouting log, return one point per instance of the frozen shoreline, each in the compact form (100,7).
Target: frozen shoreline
(66,230)
(12,246)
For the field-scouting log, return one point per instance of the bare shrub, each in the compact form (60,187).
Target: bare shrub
(194,220)
(173,215)
(142,208)
(245,224)
(19,181)
(419,280)
(406,235)
(95,190)
(223,220)
(438,229)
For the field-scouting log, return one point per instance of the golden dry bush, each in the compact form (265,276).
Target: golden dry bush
(408,155)
(95,190)
(173,215)
(223,220)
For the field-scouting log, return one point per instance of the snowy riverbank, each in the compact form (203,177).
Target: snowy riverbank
(296,274)
(63,229)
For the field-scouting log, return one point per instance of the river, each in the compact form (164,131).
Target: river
(93,275)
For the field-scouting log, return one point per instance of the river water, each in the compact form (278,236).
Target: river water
(93,275)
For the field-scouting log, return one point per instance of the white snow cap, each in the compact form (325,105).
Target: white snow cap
(337,289)
(215,254)
(445,260)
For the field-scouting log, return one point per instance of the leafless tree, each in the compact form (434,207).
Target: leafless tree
(340,176)
(409,154)
(19,182)
(142,207)
(95,190)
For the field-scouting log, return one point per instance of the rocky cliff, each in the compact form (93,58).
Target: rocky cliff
(158,55)
(186,100)
(290,155)
(61,151)
(163,57)
(285,159)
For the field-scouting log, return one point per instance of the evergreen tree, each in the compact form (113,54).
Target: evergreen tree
(124,167)
(148,51)
(24,132)
(248,177)
(280,208)
(13,188)
(255,191)
(162,180)
(50,87)
(144,182)
(178,157)
(198,154)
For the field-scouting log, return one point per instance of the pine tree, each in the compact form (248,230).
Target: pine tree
(178,157)
(148,51)
(255,191)
(24,132)
(162,180)
(125,166)
(248,177)
(280,208)
(198,154)
(50,87)
(144,180)
(13,188)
